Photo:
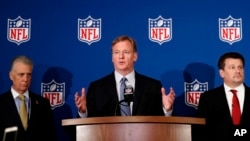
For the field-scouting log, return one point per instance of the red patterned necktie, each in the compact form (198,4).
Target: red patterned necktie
(236,114)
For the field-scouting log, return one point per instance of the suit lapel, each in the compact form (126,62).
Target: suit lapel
(246,107)
(12,107)
(33,107)
(222,105)
(137,93)
(112,91)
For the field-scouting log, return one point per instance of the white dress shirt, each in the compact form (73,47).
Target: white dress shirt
(240,94)
(15,95)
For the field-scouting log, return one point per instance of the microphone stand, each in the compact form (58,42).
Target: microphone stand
(118,104)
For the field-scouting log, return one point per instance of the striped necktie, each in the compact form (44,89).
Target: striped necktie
(125,108)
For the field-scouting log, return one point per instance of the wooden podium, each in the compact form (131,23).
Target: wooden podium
(133,128)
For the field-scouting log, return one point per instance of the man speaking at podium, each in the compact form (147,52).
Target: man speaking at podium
(125,92)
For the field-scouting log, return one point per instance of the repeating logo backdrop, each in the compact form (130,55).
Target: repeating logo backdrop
(179,43)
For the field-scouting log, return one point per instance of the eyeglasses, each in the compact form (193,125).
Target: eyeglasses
(125,52)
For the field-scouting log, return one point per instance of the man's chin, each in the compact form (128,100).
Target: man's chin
(24,88)
(238,82)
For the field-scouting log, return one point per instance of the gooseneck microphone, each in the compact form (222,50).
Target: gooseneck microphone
(128,97)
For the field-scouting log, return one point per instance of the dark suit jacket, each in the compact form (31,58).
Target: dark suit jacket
(40,125)
(214,108)
(102,97)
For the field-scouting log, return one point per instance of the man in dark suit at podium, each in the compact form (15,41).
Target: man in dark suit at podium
(217,105)
(38,122)
(148,96)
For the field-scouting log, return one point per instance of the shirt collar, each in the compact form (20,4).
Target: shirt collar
(239,88)
(130,77)
(15,94)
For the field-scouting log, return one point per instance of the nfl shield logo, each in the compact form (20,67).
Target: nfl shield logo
(55,92)
(230,30)
(160,30)
(89,30)
(193,91)
(18,30)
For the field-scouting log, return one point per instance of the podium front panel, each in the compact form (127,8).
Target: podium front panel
(134,132)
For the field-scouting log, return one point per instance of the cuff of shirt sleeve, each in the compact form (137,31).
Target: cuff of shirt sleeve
(83,115)
(167,113)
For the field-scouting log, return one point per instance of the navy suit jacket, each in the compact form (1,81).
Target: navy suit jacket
(102,97)
(41,125)
(214,108)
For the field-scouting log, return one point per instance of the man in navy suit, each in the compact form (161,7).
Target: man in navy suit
(216,104)
(40,123)
(103,95)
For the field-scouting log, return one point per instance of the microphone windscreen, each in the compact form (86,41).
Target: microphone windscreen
(129,94)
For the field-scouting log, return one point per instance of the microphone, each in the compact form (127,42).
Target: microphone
(128,94)
(128,97)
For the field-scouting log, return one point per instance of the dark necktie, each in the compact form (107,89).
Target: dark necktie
(236,114)
(125,108)
(23,111)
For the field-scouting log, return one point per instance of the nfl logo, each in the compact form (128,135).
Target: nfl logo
(193,91)
(89,30)
(55,92)
(160,30)
(230,30)
(18,30)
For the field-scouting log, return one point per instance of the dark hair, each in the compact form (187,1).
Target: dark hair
(234,55)
(125,38)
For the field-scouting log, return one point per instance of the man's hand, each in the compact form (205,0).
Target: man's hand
(81,101)
(168,99)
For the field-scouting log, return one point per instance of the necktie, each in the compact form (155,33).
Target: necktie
(236,114)
(125,108)
(23,111)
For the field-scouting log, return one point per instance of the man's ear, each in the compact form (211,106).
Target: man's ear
(221,72)
(135,57)
(11,75)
